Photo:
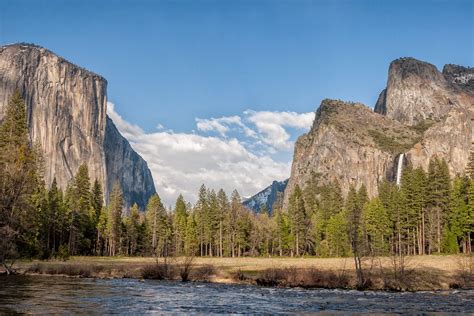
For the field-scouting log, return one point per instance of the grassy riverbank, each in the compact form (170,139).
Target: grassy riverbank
(416,273)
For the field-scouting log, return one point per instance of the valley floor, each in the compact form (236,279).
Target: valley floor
(384,273)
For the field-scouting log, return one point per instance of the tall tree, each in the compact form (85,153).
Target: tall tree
(132,229)
(18,180)
(354,205)
(222,211)
(298,219)
(158,226)
(377,225)
(438,192)
(114,219)
(180,217)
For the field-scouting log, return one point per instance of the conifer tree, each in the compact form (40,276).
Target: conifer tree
(190,241)
(337,242)
(298,219)
(438,193)
(158,226)
(55,213)
(354,208)
(114,219)
(376,224)
(132,229)
(231,223)
(222,211)
(18,180)
(180,224)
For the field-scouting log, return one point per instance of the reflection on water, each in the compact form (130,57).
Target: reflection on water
(91,296)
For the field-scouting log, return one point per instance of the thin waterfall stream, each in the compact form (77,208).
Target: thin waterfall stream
(399,169)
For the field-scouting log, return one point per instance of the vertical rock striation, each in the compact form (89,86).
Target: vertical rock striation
(125,166)
(66,109)
(421,114)
(67,117)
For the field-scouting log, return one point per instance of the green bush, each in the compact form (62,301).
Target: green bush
(63,252)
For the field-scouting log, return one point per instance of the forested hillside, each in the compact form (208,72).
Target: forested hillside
(429,212)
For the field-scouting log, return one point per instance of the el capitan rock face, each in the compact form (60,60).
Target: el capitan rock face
(422,113)
(67,108)
(124,165)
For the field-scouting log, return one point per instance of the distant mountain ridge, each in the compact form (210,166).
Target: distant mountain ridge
(267,196)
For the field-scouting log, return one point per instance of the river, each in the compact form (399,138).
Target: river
(37,294)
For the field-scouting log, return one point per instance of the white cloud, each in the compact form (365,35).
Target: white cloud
(181,162)
(223,125)
(272,126)
(129,131)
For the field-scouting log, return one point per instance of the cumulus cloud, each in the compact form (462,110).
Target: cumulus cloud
(223,125)
(272,126)
(181,162)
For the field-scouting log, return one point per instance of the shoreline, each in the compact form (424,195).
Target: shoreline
(423,273)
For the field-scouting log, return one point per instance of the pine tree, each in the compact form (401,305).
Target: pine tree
(354,204)
(97,199)
(376,223)
(298,219)
(158,226)
(337,242)
(102,232)
(132,228)
(222,211)
(211,221)
(201,213)
(457,226)
(82,232)
(180,224)
(231,223)
(114,220)
(19,175)
(191,240)
(438,192)
(54,210)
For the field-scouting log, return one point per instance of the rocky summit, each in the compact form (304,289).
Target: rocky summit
(267,197)
(67,114)
(422,113)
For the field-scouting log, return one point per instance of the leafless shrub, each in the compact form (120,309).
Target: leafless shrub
(464,278)
(271,277)
(238,275)
(185,268)
(155,272)
(203,273)
(400,276)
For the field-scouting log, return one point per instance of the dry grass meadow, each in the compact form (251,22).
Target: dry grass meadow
(417,273)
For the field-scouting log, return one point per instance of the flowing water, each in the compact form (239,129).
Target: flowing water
(399,169)
(40,295)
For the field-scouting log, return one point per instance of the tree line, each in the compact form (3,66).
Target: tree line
(428,213)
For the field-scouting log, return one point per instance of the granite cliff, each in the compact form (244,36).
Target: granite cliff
(267,197)
(422,113)
(67,108)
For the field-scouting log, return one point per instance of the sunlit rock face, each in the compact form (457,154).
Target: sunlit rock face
(67,116)
(417,91)
(422,113)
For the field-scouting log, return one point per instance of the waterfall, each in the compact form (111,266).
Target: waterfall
(399,169)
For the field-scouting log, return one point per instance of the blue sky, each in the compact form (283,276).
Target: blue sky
(174,62)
